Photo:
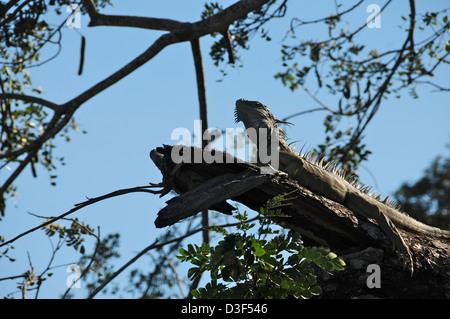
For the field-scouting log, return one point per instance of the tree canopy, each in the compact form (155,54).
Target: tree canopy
(331,54)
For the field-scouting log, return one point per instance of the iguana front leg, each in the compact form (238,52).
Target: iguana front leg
(364,207)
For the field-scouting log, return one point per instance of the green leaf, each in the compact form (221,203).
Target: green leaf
(193,272)
(191,249)
(316,290)
(259,252)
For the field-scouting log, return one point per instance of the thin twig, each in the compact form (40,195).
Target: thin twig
(88,267)
(157,246)
(183,32)
(382,89)
(302,112)
(172,266)
(82,205)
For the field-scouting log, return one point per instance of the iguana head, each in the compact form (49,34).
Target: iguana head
(256,115)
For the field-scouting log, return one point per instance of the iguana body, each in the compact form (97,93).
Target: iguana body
(319,179)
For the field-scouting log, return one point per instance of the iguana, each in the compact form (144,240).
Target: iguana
(329,182)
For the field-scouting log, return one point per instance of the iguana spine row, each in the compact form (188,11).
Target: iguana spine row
(330,182)
(343,193)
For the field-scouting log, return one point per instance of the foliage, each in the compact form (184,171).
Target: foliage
(247,265)
(255,261)
(98,263)
(24,31)
(358,75)
(159,278)
(355,73)
(73,236)
(429,194)
(242,31)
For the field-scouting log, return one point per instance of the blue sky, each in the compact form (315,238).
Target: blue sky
(140,112)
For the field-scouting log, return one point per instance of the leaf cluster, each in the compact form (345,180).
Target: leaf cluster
(100,261)
(358,76)
(73,236)
(242,30)
(264,264)
(25,29)
(427,199)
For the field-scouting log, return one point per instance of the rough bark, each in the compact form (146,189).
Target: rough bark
(320,221)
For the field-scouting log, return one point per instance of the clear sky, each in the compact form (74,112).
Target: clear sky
(140,112)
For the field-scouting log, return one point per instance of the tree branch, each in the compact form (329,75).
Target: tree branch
(16,173)
(98,19)
(180,32)
(382,89)
(135,22)
(90,8)
(88,202)
(201,89)
(184,32)
(32,99)
(155,245)
(88,267)
(322,222)
(172,266)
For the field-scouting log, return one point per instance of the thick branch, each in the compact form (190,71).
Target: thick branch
(201,89)
(90,7)
(98,19)
(215,23)
(182,32)
(134,22)
(31,99)
(321,221)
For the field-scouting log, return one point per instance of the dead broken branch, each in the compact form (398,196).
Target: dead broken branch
(203,184)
